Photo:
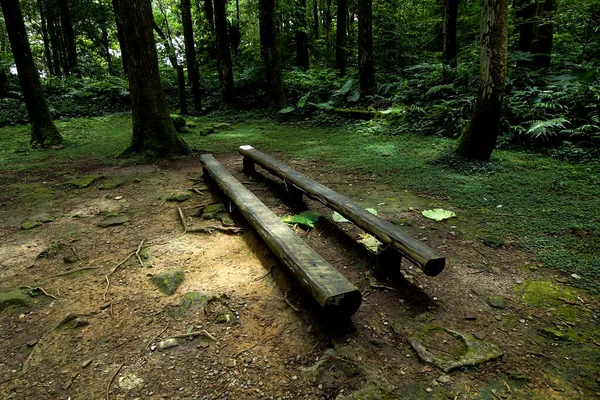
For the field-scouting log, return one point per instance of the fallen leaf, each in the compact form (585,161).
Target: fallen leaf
(438,214)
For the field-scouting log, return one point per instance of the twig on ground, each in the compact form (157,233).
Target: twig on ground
(376,285)
(260,278)
(198,192)
(194,334)
(75,252)
(156,337)
(41,289)
(209,229)
(245,350)
(533,353)
(111,381)
(113,271)
(137,252)
(507,386)
(289,303)
(568,301)
(182,217)
(165,200)
(486,260)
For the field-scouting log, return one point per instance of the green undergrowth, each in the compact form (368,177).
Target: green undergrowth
(549,207)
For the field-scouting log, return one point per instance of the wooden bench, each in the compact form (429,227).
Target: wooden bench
(330,289)
(400,243)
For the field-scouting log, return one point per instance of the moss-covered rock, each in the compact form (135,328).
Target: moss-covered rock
(14,298)
(180,196)
(84,181)
(189,301)
(213,211)
(112,221)
(495,301)
(168,282)
(27,225)
(113,183)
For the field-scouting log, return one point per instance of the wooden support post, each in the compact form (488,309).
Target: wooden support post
(248,165)
(388,262)
(327,286)
(294,194)
(387,233)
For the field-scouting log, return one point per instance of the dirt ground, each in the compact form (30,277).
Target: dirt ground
(260,336)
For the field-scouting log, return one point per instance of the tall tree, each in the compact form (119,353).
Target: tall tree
(153,129)
(302,58)
(340,42)
(43,131)
(223,53)
(268,50)
(190,53)
(450,18)
(479,139)
(541,45)
(366,68)
(68,35)
(120,35)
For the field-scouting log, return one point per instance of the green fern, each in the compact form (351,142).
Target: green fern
(545,129)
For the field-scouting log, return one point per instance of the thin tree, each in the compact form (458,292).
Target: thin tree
(43,131)
(479,139)
(223,53)
(449,46)
(190,53)
(268,51)
(153,130)
(340,42)
(170,49)
(366,68)
(541,45)
(302,58)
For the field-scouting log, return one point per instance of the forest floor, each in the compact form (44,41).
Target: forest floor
(83,234)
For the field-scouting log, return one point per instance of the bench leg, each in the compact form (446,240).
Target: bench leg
(388,262)
(248,166)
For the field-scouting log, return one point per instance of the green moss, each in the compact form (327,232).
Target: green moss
(84,181)
(168,282)
(189,301)
(546,294)
(212,211)
(14,298)
(27,225)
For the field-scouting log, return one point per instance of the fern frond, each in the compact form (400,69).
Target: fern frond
(543,129)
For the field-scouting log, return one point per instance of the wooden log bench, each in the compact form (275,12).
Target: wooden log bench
(399,243)
(329,288)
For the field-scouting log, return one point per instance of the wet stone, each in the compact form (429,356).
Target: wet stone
(495,302)
(168,282)
(113,221)
(84,181)
(167,344)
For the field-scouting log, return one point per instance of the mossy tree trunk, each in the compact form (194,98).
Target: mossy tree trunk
(541,45)
(190,53)
(479,139)
(450,18)
(43,131)
(223,53)
(340,38)
(366,68)
(153,130)
(269,53)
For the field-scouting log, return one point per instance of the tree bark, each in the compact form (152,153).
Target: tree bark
(43,131)
(316,18)
(49,8)
(450,18)
(208,13)
(106,46)
(153,130)
(120,33)
(479,139)
(340,42)
(302,57)
(269,53)
(366,69)
(190,53)
(223,54)
(45,38)
(327,24)
(68,35)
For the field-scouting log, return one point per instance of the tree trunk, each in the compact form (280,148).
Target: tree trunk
(120,33)
(302,57)
(208,13)
(106,46)
(49,9)
(541,46)
(153,130)
(43,131)
(479,139)
(175,64)
(190,53)
(316,18)
(45,39)
(450,18)
(328,33)
(223,54)
(269,53)
(68,35)
(366,69)
(525,17)
(340,42)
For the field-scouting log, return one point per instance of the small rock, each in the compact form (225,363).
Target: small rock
(167,344)
(479,335)
(429,390)
(495,302)
(443,379)
(575,276)
(86,363)
(27,225)
(70,259)
(153,347)
(522,321)
(118,197)
(113,221)
(231,363)
(493,242)
(471,317)
(104,306)
(180,196)
(168,282)
(80,323)
(130,381)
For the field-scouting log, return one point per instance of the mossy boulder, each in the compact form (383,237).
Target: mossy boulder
(495,302)
(222,126)
(189,301)
(84,181)
(179,123)
(14,298)
(213,211)
(27,225)
(168,282)
(180,196)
